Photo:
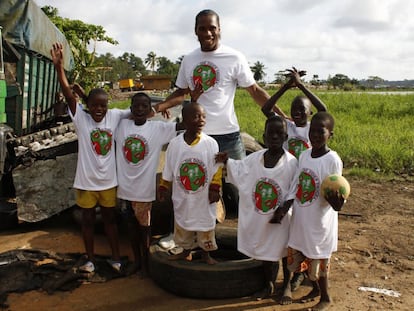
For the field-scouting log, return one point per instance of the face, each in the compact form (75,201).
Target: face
(319,133)
(275,135)
(300,111)
(195,119)
(98,106)
(208,32)
(140,109)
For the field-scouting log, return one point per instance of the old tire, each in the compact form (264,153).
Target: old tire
(229,278)
(250,144)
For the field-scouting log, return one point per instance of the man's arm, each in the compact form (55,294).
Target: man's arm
(260,96)
(174,99)
(57,57)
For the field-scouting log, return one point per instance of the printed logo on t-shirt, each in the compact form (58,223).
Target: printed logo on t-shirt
(205,74)
(101,141)
(308,188)
(297,145)
(266,195)
(135,149)
(192,175)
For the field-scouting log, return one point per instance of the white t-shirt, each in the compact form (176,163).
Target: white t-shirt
(138,150)
(298,138)
(262,190)
(191,169)
(96,167)
(219,71)
(314,224)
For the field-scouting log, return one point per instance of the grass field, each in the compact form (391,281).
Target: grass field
(374,133)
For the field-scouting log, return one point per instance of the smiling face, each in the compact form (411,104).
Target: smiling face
(140,109)
(194,118)
(207,29)
(97,105)
(300,111)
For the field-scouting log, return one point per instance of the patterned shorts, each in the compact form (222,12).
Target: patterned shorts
(316,268)
(191,239)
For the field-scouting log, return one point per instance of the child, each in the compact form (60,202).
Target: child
(298,129)
(139,143)
(263,180)
(313,234)
(196,182)
(95,179)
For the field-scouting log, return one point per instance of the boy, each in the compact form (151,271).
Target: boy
(263,180)
(196,182)
(298,129)
(313,234)
(95,178)
(139,143)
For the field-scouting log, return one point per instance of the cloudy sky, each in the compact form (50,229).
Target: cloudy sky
(358,38)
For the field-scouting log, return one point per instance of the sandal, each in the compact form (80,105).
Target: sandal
(88,267)
(116,265)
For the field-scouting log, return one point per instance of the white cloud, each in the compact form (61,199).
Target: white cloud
(352,37)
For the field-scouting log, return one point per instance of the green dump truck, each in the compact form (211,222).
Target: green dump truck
(29,129)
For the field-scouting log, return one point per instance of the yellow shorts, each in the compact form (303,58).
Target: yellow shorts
(316,268)
(142,211)
(91,199)
(191,239)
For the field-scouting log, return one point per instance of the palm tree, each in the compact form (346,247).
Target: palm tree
(258,71)
(151,61)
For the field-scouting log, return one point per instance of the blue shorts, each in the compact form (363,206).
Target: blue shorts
(232,144)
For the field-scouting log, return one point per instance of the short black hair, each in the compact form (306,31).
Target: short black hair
(205,13)
(95,92)
(275,118)
(187,108)
(324,116)
(141,94)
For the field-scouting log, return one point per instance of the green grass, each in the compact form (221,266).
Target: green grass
(374,133)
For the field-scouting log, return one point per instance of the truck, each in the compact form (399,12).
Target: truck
(129,85)
(33,139)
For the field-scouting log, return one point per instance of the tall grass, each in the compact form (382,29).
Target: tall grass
(373,132)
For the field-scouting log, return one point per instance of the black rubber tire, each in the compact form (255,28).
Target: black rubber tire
(226,279)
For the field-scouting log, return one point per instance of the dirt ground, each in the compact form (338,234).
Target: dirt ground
(376,249)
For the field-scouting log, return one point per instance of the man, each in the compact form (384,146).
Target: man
(211,74)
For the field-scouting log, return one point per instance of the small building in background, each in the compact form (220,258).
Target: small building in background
(156,82)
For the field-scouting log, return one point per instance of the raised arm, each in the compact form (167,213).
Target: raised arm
(261,97)
(295,74)
(57,57)
(270,105)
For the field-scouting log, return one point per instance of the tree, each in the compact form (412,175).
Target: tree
(258,71)
(151,61)
(374,81)
(338,80)
(280,77)
(81,37)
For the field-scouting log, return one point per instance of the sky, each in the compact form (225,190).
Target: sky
(357,38)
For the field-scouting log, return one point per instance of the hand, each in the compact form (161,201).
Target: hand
(196,93)
(221,157)
(213,195)
(57,54)
(336,200)
(158,108)
(296,75)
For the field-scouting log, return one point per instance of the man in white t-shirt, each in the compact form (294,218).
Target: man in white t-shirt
(214,71)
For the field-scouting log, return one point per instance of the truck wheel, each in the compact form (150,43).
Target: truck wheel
(250,144)
(235,275)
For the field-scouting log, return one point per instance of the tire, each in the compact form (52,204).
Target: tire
(234,276)
(250,144)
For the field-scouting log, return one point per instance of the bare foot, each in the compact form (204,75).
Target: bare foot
(310,297)
(321,306)
(208,259)
(186,254)
(287,297)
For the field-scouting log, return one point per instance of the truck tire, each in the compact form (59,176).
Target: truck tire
(250,144)
(235,275)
